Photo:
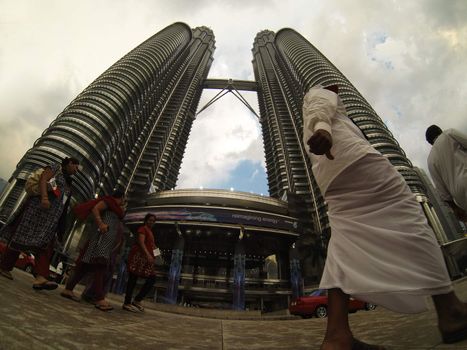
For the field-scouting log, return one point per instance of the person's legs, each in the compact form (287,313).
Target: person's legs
(130,286)
(145,288)
(80,270)
(452,317)
(338,333)
(88,293)
(98,284)
(99,272)
(8,262)
(108,277)
(41,269)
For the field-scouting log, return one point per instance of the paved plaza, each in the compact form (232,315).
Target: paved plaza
(44,320)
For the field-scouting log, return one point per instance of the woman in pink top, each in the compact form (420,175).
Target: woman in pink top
(141,264)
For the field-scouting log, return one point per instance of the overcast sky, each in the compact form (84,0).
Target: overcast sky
(407,58)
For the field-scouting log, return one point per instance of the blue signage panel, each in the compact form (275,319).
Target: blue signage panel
(228,216)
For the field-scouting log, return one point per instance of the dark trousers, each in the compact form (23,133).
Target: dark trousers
(9,259)
(89,291)
(130,286)
(98,271)
(42,260)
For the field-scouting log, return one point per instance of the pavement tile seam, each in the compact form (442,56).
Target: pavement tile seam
(176,331)
(222,335)
(36,341)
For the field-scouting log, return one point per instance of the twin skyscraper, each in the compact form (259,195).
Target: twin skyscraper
(129,128)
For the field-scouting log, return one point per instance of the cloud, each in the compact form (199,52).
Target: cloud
(446,14)
(222,136)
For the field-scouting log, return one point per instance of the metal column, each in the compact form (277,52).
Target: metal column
(175,269)
(239,275)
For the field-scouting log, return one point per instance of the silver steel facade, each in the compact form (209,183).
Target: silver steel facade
(286,65)
(129,127)
(279,96)
(309,67)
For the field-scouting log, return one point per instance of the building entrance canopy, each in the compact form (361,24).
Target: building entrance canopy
(215,225)
(201,214)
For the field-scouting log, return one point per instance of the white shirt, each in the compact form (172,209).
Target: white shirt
(447,163)
(323,109)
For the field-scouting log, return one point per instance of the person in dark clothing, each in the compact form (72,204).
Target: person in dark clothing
(108,212)
(41,218)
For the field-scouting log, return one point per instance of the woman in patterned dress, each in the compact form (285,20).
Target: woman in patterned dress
(141,264)
(34,227)
(108,212)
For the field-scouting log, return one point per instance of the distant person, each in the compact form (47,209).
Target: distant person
(141,264)
(42,217)
(108,212)
(447,163)
(381,249)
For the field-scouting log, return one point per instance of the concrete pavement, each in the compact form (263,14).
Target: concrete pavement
(44,320)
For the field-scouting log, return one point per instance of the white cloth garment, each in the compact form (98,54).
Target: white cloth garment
(323,109)
(447,164)
(381,249)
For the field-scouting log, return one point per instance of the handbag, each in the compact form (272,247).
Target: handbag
(32,183)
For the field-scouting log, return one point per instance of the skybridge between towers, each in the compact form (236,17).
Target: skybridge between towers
(243,85)
(230,86)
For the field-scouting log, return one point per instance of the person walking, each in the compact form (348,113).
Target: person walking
(141,264)
(381,249)
(35,226)
(447,163)
(95,257)
(89,293)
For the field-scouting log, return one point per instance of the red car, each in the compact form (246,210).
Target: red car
(316,304)
(25,261)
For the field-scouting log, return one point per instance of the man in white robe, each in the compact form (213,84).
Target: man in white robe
(447,163)
(381,248)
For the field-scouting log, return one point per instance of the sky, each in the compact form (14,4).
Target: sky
(407,58)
